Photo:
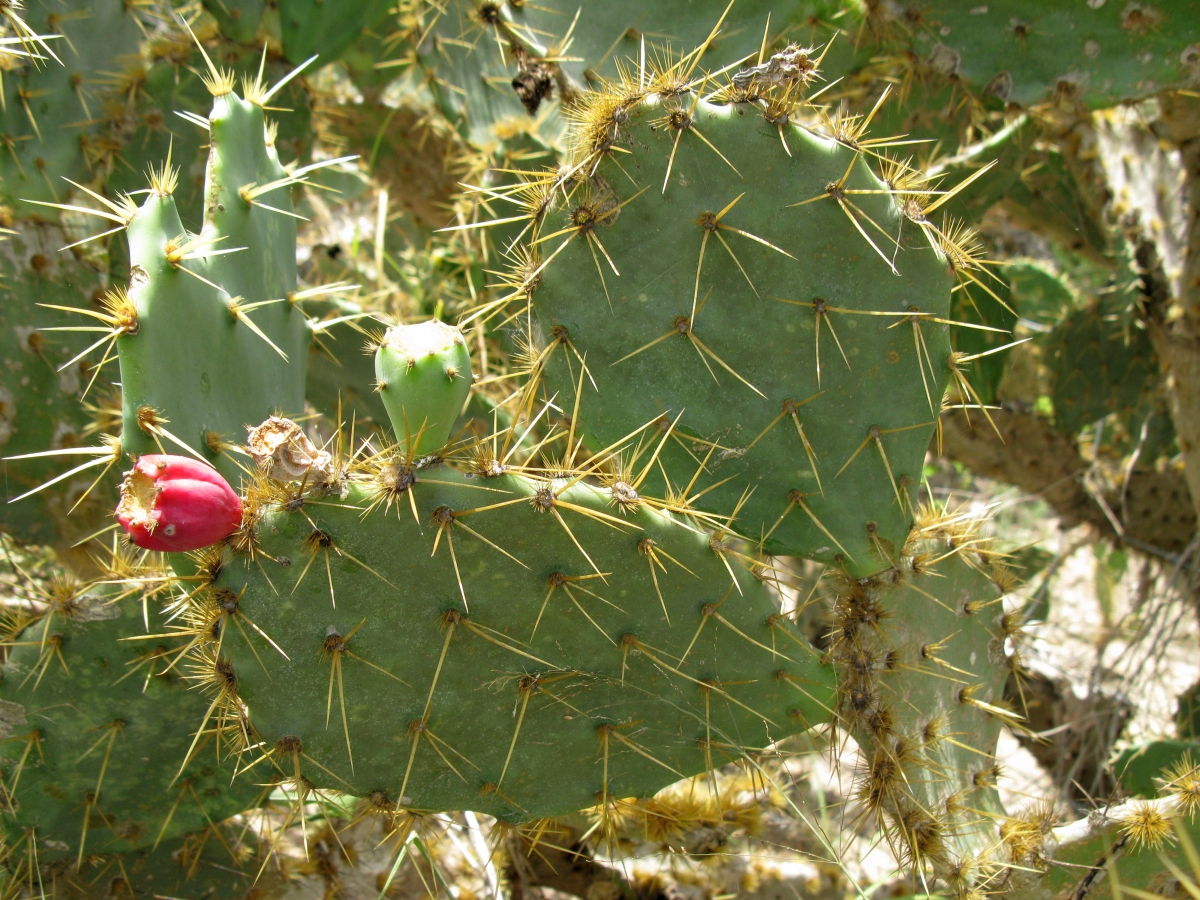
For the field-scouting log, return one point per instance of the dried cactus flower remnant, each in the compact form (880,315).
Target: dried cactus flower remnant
(285,452)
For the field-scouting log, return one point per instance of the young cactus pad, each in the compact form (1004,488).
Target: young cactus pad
(217,342)
(762,299)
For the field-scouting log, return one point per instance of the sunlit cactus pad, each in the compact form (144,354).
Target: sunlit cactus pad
(773,295)
(521,647)
(98,755)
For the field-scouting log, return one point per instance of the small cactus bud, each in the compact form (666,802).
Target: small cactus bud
(176,504)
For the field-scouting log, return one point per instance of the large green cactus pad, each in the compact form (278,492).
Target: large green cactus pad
(731,344)
(97,732)
(507,649)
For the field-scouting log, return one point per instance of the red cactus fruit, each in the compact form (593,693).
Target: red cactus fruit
(176,504)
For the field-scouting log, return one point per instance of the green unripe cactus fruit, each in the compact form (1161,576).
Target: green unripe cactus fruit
(424,376)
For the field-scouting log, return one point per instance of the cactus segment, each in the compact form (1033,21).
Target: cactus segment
(1141,845)
(424,376)
(98,755)
(205,865)
(325,28)
(523,648)
(1101,364)
(1027,178)
(756,301)
(219,342)
(920,652)
(493,64)
(53,107)
(169,110)
(238,20)
(1040,294)
(305,28)
(41,390)
(1141,766)
(1022,53)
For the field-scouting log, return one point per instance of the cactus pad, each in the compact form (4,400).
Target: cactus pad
(762,300)
(513,646)
(97,731)
(921,657)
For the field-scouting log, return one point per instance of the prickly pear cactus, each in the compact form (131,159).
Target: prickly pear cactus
(1101,363)
(757,282)
(54,100)
(920,651)
(167,88)
(501,639)
(305,27)
(101,752)
(1021,53)
(214,340)
(491,64)
(1139,848)
(206,863)
(43,388)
